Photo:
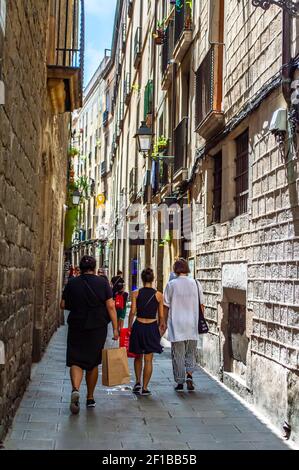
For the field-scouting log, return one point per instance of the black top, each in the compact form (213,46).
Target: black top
(85,296)
(147,303)
(116,281)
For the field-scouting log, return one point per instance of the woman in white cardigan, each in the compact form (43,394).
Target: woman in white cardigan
(182,298)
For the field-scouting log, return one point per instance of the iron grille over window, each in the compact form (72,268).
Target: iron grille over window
(183,19)
(137,47)
(217,190)
(204,87)
(242,144)
(167,48)
(180,145)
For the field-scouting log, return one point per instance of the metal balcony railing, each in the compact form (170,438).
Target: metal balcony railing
(130,8)
(163,173)
(69,17)
(167,48)
(105,118)
(137,47)
(180,145)
(132,182)
(127,88)
(103,168)
(183,19)
(123,36)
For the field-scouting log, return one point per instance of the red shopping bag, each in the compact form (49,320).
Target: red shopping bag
(124,341)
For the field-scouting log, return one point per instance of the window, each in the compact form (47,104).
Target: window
(217,190)
(242,143)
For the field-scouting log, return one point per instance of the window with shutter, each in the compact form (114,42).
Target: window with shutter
(242,162)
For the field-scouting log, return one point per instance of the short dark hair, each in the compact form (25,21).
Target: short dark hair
(87,263)
(119,272)
(181,266)
(147,275)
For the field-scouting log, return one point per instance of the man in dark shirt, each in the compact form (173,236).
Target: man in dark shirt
(116,282)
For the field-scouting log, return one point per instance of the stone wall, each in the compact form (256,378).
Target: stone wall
(255,257)
(33,163)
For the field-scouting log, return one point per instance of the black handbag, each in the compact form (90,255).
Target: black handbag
(202,324)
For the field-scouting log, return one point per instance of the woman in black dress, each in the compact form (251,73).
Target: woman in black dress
(90,301)
(146,331)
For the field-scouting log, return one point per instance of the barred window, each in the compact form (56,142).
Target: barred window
(242,161)
(217,191)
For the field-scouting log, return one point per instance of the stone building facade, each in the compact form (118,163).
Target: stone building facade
(33,166)
(215,79)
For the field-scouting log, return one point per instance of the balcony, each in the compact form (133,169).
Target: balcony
(127,89)
(105,118)
(209,117)
(65,60)
(167,51)
(137,47)
(182,30)
(181,151)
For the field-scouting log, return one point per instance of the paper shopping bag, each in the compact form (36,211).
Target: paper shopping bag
(115,367)
(124,341)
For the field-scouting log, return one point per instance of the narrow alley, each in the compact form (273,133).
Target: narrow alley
(208,419)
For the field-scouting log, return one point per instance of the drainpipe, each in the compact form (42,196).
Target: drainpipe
(286,56)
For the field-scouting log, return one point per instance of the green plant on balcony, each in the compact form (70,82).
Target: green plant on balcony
(166,240)
(73,152)
(159,33)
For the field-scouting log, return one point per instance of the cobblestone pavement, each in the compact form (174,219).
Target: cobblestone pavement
(210,418)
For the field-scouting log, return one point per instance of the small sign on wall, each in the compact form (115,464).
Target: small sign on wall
(2,15)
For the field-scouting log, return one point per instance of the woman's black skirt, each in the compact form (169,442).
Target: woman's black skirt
(84,347)
(145,338)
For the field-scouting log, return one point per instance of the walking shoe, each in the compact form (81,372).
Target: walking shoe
(90,403)
(179,388)
(137,388)
(190,385)
(146,392)
(75,404)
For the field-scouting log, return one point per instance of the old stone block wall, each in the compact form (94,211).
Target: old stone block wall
(33,163)
(261,247)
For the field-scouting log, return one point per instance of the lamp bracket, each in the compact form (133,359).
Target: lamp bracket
(287,5)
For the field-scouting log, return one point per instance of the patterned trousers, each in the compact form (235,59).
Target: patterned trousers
(183,355)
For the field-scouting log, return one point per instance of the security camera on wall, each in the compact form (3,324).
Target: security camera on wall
(279,121)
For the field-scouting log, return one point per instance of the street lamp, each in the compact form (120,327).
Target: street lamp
(144,138)
(76,197)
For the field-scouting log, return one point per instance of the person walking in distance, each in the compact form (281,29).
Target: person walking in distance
(121,299)
(90,301)
(115,281)
(182,298)
(146,331)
